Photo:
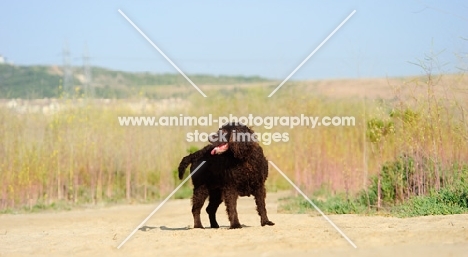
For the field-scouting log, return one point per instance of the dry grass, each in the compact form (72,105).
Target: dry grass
(81,154)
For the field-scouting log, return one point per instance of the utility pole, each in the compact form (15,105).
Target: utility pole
(67,72)
(88,87)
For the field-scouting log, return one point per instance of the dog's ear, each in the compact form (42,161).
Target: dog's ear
(241,142)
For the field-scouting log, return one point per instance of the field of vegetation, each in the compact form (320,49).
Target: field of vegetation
(39,81)
(407,152)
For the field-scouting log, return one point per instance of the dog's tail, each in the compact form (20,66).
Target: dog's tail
(184,163)
(193,158)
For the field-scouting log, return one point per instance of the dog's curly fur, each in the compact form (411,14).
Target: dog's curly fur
(241,170)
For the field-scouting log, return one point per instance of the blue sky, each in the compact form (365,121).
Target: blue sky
(266,38)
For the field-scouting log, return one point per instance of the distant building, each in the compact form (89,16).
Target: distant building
(2,59)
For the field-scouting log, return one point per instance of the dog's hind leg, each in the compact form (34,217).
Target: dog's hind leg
(260,195)
(199,196)
(214,202)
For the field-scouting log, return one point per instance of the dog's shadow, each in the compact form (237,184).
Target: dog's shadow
(149,228)
(173,229)
(227,227)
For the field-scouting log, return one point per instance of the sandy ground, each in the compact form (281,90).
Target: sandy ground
(98,231)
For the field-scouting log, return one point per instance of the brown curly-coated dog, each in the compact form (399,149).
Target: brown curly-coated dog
(234,167)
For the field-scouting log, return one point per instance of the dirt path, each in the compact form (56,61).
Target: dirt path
(97,232)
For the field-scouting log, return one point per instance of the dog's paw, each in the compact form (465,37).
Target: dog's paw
(235,226)
(269,223)
(199,226)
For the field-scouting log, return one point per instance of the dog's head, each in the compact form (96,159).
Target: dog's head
(233,136)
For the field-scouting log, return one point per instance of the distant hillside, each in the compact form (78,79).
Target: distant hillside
(27,82)
(46,81)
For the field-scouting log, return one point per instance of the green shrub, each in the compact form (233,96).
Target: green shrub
(444,202)
(332,205)
(395,182)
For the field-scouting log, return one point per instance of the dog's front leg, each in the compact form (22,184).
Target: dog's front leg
(230,196)
(260,195)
